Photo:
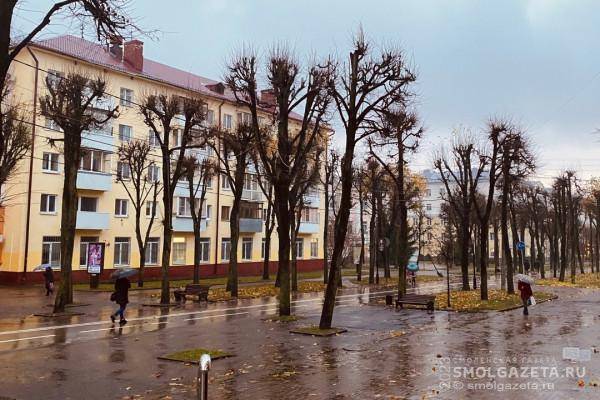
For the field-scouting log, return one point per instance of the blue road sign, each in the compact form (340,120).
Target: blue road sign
(520,245)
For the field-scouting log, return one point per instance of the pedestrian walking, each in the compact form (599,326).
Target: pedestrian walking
(524,287)
(121,297)
(49,280)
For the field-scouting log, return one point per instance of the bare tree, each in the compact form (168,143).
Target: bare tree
(284,155)
(269,218)
(399,132)
(330,168)
(109,19)
(516,160)
(70,103)
(199,171)
(15,138)
(456,171)
(161,113)
(367,84)
(139,177)
(233,148)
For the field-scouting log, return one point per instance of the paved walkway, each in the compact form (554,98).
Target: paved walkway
(384,354)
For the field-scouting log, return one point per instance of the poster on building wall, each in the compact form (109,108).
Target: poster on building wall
(95,258)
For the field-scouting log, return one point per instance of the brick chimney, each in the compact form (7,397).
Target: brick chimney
(134,54)
(267,97)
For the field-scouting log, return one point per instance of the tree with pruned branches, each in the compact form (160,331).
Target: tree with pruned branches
(177,125)
(138,174)
(284,149)
(70,103)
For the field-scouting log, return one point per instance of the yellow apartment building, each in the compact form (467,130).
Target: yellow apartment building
(30,216)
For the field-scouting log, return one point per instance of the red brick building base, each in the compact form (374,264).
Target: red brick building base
(154,273)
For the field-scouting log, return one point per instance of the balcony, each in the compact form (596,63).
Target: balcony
(251,225)
(308,227)
(186,224)
(182,189)
(252,195)
(90,180)
(100,139)
(92,220)
(311,200)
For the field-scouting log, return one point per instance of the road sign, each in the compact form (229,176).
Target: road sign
(520,245)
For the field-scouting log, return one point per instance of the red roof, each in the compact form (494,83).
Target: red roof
(95,53)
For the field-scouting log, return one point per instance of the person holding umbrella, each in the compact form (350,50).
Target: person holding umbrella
(49,280)
(524,286)
(121,293)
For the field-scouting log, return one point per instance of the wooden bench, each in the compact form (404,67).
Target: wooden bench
(417,300)
(201,291)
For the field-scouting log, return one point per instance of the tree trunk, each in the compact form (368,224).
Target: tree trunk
(341,228)
(72,152)
(372,239)
(510,287)
(283,231)
(496,247)
(141,249)
(326,227)
(361,257)
(483,258)
(268,232)
(234,228)
(464,250)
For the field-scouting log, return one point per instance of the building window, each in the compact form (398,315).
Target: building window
(310,215)
(184,207)
(204,249)
(208,182)
(224,181)
(428,221)
(225,249)
(247,249)
(121,251)
(428,207)
(150,206)
(227,121)
(121,207)
(123,171)
(244,118)
(491,235)
(51,250)
(152,246)
(125,133)
(428,192)
(152,139)
(314,249)
(177,137)
(50,162)
(48,203)
(179,251)
(126,97)
(263,249)
(91,160)
(210,117)
(225,210)
(207,212)
(153,173)
(89,204)
(250,182)
(299,248)
(83,249)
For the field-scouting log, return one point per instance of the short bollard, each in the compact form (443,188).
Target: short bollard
(202,379)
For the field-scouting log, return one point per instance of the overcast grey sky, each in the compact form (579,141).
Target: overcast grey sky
(537,61)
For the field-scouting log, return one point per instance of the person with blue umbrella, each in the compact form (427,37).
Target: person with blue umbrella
(121,293)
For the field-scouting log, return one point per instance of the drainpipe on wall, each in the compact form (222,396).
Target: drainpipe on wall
(217,218)
(30,179)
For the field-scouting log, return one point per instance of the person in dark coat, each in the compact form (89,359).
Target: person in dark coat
(49,280)
(526,293)
(121,297)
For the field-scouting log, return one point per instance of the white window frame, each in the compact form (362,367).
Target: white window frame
(149,204)
(122,244)
(123,171)
(51,247)
(225,249)
(45,203)
(204,249)
(48,161)
(299,248)
(152,245)
(247,248)
(126,97)
(125,133)
(314,249)
(87,197)
(178,247)
(121,208)
(152,139)
(153,173)
(227,121)
(95,156)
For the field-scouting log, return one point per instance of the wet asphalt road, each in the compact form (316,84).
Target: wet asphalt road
(384,354)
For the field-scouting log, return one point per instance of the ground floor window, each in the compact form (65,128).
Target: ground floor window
(246,248)
(225,249)
(179,251)
(83,249)
(204,249)
(152,246)
(314,248)
(299,248)
(51,250)
(122,247)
